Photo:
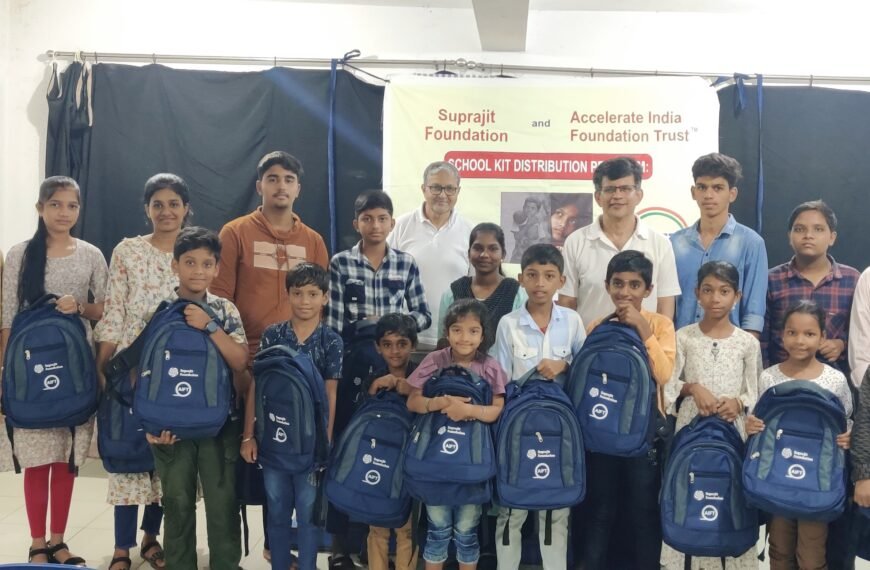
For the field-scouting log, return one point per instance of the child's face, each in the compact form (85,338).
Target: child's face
(801,336)
(61,211)
(279,188)
(541,282)
(395,349)
(196,269)
(374,225)
(465,336)
(485,253)
(810,235)
(713,195)
(716,297)
(307,301)
(627,288)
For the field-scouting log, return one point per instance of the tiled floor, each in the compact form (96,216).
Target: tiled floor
(90,534)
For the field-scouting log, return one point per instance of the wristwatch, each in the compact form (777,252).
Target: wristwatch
(211,327)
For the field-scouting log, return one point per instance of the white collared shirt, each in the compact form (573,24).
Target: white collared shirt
(441,255)
(587,253)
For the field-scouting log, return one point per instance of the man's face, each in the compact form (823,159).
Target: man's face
(374,225)
(279,188)
(713,195)
(436,192)
(618,198)
(810,235)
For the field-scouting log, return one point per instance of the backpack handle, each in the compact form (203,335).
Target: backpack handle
(46,299)
(182,303)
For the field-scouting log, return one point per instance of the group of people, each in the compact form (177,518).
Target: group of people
(719,327)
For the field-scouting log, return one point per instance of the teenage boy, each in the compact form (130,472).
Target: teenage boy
(307,287)
(618,192)
(395,338)
(629,282)
(717,236)
(544,336)
(179,463)
(812,274)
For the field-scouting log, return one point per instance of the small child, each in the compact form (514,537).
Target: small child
(543,336)
(395,338)
(803,332)
(465,323)
(308,286)
(180,463)
(716,372)
(628,281)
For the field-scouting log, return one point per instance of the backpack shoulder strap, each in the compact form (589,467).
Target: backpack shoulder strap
(128,358)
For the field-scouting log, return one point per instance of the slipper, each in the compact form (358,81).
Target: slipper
(125,559)
(341,562)
(71,561)
(155,556)
(38,552)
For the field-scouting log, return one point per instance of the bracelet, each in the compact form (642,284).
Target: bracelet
(247,439)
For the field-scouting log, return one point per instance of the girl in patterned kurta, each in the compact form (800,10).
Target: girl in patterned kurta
(716,371)
(53,261)
(140,277)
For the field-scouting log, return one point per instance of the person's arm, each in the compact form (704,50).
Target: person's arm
(335,309)
(105,350)
(458,409)
(248,449)
(235,353)
(415,297)
(752,368)
(97,286)
(420,404)
(331,393)
(665,306)
(667,285)
(753,304)
(675,386)
(224,285)
(661,347)
(567,302)
(861,444)
(333,356)
(859,329)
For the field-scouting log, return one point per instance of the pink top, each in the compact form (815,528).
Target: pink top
(486,367)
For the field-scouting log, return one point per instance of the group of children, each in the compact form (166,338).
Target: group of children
(709,368)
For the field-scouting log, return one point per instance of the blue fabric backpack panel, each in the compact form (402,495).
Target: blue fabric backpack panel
(703,508)
(365,479)
(291,409)
(360,359)
(184,385)
(120,435)
(794,467)
(446,462)
(49,376)
(540,455)
(613,392)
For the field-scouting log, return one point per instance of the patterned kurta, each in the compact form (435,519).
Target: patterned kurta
(140,277)
(76,274)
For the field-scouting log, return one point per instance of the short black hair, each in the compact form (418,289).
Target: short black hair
(371,200)
(398,324)
(806,307)
(721,270)
(617,168)
(306,273)
(168,181)
(819,206)
(543,253)
(633,261)
(196,237)
(715,165)
(283,159)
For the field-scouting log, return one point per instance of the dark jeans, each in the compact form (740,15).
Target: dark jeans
(285,494)
(125,523)
(631,481)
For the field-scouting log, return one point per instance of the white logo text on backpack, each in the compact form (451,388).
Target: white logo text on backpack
(51,382)
(542,471)
(599,412)
(709,513)
(182,390)
(449,446)
(796,472)
(280,435)
(372,477)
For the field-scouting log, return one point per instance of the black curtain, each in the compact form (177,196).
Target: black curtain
(211,128)
(814,144)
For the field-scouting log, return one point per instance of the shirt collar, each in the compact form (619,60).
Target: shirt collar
(422,219)
(356,251)
(641,230)
(527,320)
(727,229)
(834,273)
(209,298)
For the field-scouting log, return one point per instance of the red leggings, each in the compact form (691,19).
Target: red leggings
(36,486)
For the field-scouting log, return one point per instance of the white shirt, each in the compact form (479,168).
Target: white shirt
(859,329)
(441,255)
(587,253)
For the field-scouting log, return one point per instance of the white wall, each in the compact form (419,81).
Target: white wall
(781,38)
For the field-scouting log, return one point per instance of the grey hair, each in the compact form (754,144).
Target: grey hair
(438,167)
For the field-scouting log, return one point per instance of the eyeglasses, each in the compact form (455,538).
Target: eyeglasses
(627,189)
(438,189)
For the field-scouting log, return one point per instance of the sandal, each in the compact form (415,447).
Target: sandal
(38,552)
(341,562)
(155,556)
(71,561)
(125,559)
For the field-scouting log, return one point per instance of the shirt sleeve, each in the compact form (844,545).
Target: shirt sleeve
(579,338)
(675,384)
(422,373)
(334,355)
(859,330)
(224,285)
(335,311)
(446,301)
(99,276)
(270,336)
(496,376)
(233,323)
(11,272)
(661,348)
(753,304)
(321,256)
(520,298)
(667,280)
(860,450)
(415,297)
(751,371)
(503,350)
(109,329)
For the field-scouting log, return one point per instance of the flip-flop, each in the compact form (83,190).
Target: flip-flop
(125,559)
(155,556)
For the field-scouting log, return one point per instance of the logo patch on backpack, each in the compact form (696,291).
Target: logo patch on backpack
(372,477)
(542,471)
(449,446)
(183,390)
(709,513)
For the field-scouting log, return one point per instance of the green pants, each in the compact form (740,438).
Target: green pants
(213,460)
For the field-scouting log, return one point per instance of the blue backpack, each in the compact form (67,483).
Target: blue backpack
(613,392)
(184,385)
(361,358)
(365,477)
(451,463)
(539,448)
(49,376)
(703,507)
(292,410)
(794,468)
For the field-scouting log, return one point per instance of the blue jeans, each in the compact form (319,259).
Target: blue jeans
(125,523)
(458,522)
(284,493)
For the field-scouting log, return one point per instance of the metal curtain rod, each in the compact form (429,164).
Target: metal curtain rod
(436,64)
